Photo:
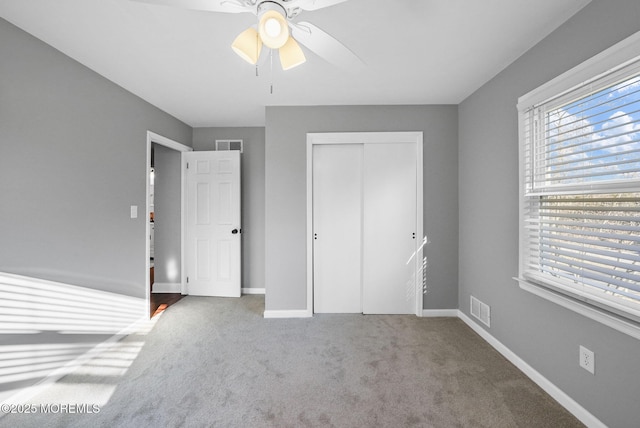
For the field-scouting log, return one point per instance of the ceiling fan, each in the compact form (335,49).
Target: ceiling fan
(276,30)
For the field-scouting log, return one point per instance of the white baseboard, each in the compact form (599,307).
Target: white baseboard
(566,401)
(166,287)
(253,291)
(432,313)
(302,313)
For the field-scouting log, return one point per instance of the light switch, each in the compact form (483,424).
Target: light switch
(134,211)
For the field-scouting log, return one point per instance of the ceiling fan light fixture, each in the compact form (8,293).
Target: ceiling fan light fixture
(291,54)
(273,27)
(248,45)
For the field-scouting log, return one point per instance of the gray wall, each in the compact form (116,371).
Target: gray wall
(167,214)
(252,182)
(545,335)
(72,162)
(286,239)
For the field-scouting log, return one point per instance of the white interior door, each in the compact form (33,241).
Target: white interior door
(389,228)
(212,241)
(337,228)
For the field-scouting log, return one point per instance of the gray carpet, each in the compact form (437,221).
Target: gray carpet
(218,362)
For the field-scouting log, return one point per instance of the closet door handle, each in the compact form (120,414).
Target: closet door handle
(234,231)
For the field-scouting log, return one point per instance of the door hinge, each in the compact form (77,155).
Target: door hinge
(187,280)
(187,165)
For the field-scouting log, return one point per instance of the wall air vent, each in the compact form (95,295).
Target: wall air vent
(229,145)
(481,311)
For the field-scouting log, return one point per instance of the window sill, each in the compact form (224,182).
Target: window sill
(625,326)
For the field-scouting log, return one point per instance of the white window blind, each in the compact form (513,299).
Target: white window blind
(580,166)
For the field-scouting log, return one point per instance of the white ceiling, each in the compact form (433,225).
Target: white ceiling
(415,51)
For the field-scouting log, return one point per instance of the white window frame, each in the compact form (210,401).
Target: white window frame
(603,64)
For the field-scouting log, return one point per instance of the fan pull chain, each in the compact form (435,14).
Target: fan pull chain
(271,66)
(257,53)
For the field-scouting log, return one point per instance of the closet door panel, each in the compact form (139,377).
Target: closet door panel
(337,223)
(389,226)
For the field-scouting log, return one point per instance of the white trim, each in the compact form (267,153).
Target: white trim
(616,57)
(616,323)
(253,291)
(152,137)
(167,142)
(183,227)
(556,393)
(420,224)
(363,137)
(415,137)
(434,313)
(167,287)
(302,313)
(309,225)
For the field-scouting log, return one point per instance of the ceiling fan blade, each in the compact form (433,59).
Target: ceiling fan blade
(314,4)
(325,46)
(226,6)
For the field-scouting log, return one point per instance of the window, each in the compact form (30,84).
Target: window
(580,182)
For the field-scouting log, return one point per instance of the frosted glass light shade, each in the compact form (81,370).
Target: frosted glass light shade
(273,29)
(291,54)
(248,45)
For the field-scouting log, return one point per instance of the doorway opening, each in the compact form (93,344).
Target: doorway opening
(164,259)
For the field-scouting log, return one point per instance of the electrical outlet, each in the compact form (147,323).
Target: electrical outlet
(587,360)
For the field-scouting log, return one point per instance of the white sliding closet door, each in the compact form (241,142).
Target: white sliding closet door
(364,227)
(337,213)
(389,228)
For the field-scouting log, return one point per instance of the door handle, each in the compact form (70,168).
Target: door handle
(235,231)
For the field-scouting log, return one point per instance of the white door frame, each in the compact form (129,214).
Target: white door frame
(368,138)
(152,137)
